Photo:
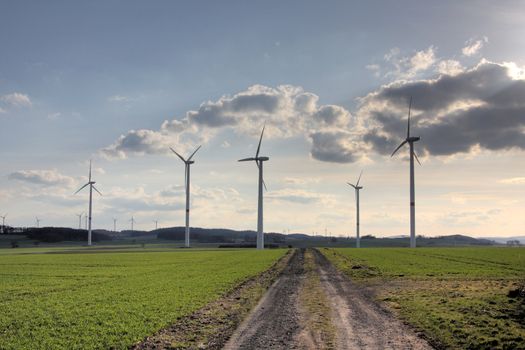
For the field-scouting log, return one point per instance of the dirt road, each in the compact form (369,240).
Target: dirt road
(283,318)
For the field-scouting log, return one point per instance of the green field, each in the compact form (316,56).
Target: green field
(87,298)
(458,297)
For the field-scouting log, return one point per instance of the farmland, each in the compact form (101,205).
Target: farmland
(457,297)
(88,298)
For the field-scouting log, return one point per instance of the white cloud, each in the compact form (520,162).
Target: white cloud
(53,116)
(406,67)
(118,98)
(449,67)
(287,110)
(513,181)
(43,177)
(473,46)
(16,99)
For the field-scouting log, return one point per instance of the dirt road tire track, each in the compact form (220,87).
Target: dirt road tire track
(274,323)
(362,323)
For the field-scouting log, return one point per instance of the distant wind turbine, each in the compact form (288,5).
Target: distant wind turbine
(3,222)
(357,188)
(410,140)
(114,224)
(37,222)
(92,187)
(156,223)
(132,220)
(187,163)
(259,162)
(80,220)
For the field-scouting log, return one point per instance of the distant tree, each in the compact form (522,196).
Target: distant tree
(368,237)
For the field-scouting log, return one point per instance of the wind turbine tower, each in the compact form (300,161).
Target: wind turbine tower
(80,220)
(357,188)
(114,225)
(410,140)
(3,222)
(187,163)
(259,162)
(92,187)
(156,223)
(132,220)
(37,222)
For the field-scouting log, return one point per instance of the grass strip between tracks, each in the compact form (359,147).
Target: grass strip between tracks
(315,308)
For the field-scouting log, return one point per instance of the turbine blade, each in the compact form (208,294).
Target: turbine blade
(81,188)
(182,158)
(194,153)
(351,184)
(246,159)
(398,147)
(409,108)
(260,140)
(357,184)
(264,183)
(415,155)
(97,190)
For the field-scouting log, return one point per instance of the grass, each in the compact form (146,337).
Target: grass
(84,298)
(315,306)
(458,297)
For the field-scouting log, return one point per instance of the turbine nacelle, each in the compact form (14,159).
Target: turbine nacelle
(413,139)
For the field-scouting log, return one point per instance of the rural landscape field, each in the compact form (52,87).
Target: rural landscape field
(267,174)
(91,299)
(117,296)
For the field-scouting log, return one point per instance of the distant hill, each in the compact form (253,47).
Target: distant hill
(225,236)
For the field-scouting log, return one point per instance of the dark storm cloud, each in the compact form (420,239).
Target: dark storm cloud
(331,147)
(482,107)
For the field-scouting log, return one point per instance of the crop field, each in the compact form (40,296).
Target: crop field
(87,298)
(464,298)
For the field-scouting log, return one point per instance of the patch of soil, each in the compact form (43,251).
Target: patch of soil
(211,326)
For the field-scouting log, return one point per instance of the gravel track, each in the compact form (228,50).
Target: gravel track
(360,322)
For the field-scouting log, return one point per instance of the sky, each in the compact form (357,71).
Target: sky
(119,82)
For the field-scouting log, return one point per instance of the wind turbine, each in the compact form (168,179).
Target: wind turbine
(37,221)
(3,221)
(156,223)
(80,220)
(92,187)
(114,224)
(187,163)
(259,161)
(410,140)
(357,188)
(132,220)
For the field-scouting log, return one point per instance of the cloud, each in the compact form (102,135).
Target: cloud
(333,146)
(295,196)
(16,99)
(118,98)
(449,67)
(513,181)
(405,67)
(43,177)
(473,46)
(481,107)
(288,111)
